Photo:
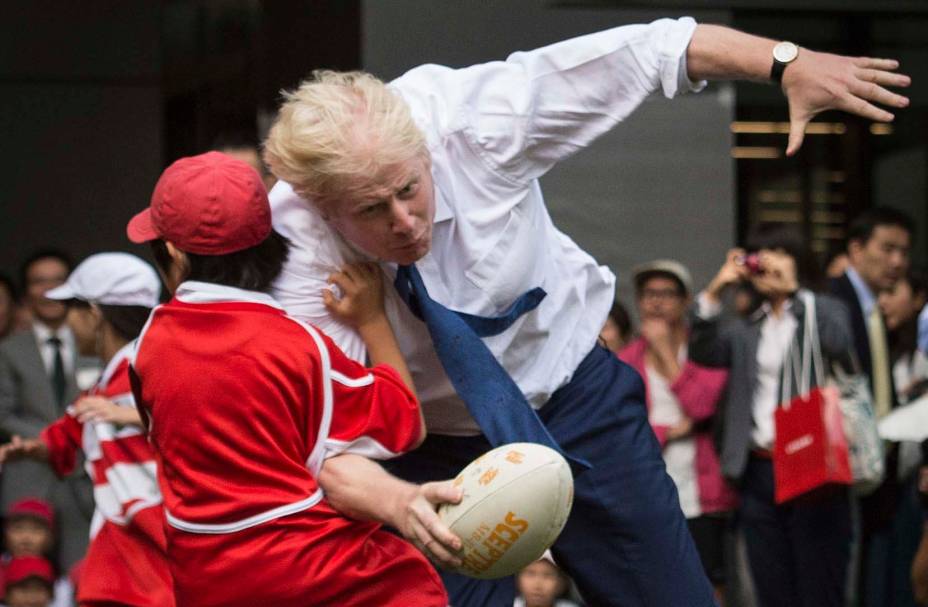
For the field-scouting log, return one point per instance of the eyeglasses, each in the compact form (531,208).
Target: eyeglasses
(661,294)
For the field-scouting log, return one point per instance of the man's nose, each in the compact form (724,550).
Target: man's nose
(402,221)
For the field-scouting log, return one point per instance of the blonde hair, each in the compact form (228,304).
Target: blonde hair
(338,133)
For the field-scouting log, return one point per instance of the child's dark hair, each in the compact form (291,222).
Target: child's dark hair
(127,321)
(253,269)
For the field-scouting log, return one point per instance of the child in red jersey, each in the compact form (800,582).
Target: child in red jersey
(245,403)
(110,296)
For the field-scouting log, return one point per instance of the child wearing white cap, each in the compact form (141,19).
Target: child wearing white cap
(110,297)
(543,584)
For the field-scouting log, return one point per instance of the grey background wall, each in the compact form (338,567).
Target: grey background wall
(659,185)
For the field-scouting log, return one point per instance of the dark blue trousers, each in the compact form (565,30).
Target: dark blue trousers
(626,541)
(798,552)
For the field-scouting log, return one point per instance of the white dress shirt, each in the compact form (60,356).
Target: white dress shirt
(492,131)
(42,334)
(679,455)
(776,336)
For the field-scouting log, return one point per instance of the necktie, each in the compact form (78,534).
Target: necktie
(492,397)
(879,363)
(59,381)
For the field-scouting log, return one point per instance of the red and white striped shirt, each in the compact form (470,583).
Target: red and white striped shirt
(119,459)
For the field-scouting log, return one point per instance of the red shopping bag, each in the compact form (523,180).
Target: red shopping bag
(810,451)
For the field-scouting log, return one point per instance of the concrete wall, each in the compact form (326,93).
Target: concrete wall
(660,185)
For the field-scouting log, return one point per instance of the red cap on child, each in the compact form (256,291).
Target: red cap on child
(34,507)
(210,204)
(25,567)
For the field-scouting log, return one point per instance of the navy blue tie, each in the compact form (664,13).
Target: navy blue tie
(492,397)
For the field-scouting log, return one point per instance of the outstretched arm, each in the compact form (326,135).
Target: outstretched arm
(813,83)
(361,489)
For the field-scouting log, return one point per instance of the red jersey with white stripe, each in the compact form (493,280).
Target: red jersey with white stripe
(244,405)
(126,560)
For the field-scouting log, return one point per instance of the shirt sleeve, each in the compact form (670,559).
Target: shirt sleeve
(63,439)
(923,330)
(374,414)
(521,116)
(315,253)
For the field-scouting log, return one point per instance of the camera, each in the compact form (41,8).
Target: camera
(752,263)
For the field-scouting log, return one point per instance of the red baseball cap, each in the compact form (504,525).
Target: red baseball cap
(210,204)
(25,567)
(33,507)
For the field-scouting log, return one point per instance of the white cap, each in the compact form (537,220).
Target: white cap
(664,266)
(111,279)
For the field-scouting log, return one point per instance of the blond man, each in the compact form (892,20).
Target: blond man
(435,176)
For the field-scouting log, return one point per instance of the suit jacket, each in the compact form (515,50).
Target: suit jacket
(878,508)
(27,405)
(843,289)
(732,342)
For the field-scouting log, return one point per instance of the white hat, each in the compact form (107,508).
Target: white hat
(664,266)
(111,279)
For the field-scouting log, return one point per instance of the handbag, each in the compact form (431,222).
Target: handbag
(856,400)
(860,427)
(810,450)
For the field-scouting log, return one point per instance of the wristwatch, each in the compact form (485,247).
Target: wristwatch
(784,53)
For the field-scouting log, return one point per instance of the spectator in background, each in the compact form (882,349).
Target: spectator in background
(110,297)
(543,584)
(900,307)
(29,532)
(243,147)
(682,398)
(29,582)
(878,249)
(37,381)
(618,328)
(798,552)
(8,301)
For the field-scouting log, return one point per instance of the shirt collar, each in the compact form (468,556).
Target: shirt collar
(765,309)
(43,333)
(122,354)
(194,291)
(864,294)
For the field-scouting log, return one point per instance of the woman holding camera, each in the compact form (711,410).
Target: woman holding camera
(798,552)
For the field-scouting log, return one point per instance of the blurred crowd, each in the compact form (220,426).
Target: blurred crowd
(712,358)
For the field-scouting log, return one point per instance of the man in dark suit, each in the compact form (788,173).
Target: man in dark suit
(878,253)
(38,379)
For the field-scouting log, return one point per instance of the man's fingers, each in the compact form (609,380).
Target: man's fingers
(884,78)
(797,132)
(876,64)
(443,492)
(432,547)
(876,93)
(864,108)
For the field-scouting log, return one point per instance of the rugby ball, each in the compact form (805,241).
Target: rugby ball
(516,501)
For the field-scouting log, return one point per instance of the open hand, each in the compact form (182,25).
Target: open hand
(419,523)
(816,82)
(20,447)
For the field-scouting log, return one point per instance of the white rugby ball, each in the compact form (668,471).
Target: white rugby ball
(516,501)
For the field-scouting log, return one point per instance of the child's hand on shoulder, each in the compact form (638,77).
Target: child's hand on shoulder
(361,301)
